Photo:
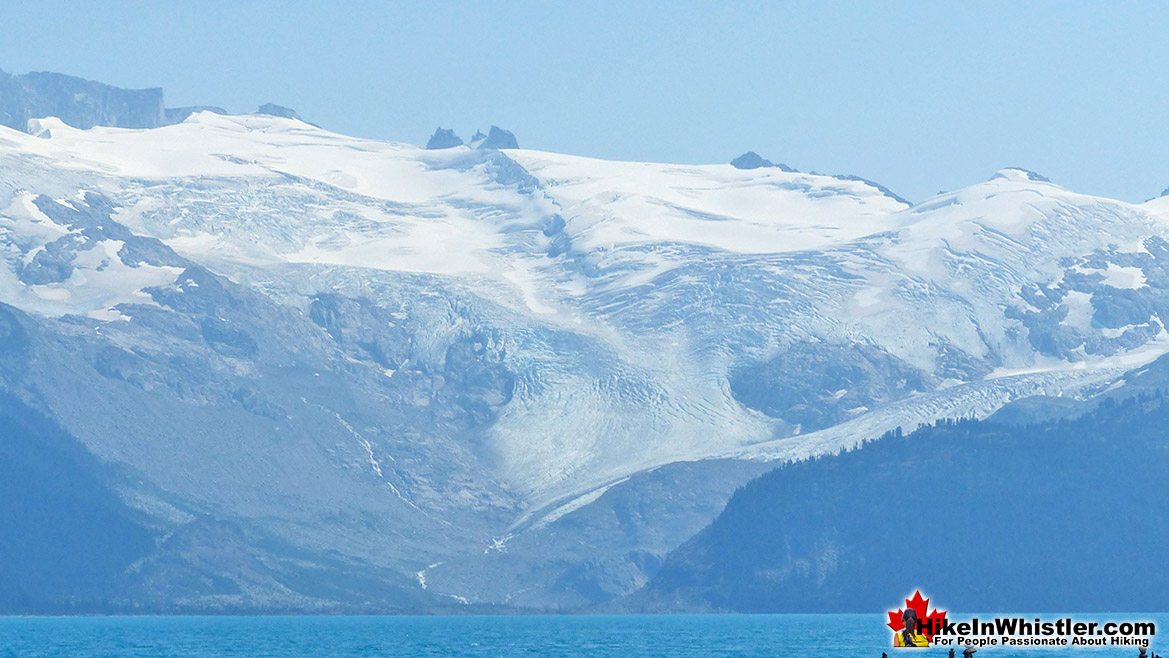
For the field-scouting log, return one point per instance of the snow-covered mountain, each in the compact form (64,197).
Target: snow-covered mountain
(454,367)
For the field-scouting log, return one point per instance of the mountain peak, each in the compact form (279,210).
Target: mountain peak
(443,138)
(752,160)
(498,138)
(181,114)
(274,110)
(77,102)
(1019,174)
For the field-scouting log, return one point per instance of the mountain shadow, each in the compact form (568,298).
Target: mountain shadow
(65,536)
(1071,515)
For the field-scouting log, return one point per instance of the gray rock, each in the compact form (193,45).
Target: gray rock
(631,527)
(79,103)
(443,138)
(498,138)
(274,110)
(179,114)
(871,183)
(752,160)
(816,384)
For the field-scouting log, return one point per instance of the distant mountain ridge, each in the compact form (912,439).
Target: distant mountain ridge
(82,103)
(78,102)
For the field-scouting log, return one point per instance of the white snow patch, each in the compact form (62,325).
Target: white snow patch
(1129,278)
(1079,307)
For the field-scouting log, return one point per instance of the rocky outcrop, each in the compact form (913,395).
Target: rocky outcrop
(498,138)
(180,114)
(274,110)
(77,102)
(752,160)
(443,138)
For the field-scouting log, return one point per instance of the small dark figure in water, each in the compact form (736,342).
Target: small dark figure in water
(951,653)
(1144,653)
(884,655)
(969,652)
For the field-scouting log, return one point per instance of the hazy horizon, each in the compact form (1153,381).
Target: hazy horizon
(918,97)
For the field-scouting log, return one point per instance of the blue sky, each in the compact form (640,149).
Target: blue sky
(921,96)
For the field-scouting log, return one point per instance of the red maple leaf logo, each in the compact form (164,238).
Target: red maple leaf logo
(931,622)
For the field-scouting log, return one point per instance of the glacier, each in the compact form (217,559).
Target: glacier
(514,378)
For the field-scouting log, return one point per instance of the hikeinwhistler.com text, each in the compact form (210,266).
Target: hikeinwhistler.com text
(1037,632)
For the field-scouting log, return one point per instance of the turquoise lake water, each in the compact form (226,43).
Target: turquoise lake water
(337,637)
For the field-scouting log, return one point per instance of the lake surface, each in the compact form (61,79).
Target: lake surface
(345,637)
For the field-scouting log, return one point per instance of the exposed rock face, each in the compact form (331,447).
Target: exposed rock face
(752,160)
(78,102)
(180,114)
(884,190)
(443,138)
(84,104)
(815,400)
(272,109)
(498,138)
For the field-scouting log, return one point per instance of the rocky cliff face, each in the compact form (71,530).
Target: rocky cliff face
(274,110)
(443,138)
(498,138)
(82,103)
(78,102)
(180,114)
